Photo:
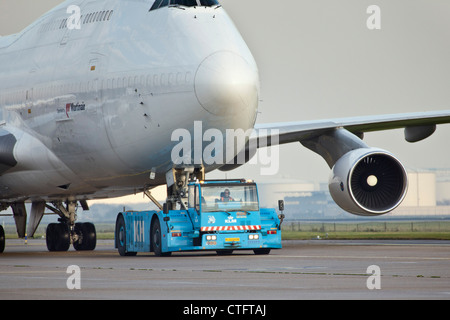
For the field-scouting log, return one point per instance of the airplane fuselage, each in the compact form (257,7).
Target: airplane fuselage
(93,109)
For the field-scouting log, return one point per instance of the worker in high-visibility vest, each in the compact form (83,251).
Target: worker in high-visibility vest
(225,196)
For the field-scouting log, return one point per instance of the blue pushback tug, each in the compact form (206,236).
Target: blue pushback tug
(219,215)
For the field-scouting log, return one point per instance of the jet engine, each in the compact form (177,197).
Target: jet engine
(368,182)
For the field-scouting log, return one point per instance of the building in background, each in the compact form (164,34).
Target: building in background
(443,187)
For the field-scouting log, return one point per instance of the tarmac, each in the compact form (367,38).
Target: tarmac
(302,270)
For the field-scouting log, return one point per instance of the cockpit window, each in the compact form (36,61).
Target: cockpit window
(185,3)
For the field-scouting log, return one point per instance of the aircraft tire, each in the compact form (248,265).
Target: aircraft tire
(2,239)
(88,236)
(57,237)
(50,236)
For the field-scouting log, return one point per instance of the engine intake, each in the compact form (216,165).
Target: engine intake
(368,182)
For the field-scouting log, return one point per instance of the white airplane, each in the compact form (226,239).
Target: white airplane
(90,97)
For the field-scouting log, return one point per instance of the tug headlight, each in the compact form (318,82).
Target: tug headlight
(253,236)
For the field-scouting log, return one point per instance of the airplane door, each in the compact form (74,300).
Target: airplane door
(95,69)
(29,101)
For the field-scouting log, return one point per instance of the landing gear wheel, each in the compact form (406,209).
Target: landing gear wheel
(156,240)
(58,237)
(2,239)
(86,236)
(261,251)
(51,237)
(121,238)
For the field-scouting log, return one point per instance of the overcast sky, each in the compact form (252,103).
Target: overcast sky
(317,59)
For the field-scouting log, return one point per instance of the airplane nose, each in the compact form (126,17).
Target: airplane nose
(226,85)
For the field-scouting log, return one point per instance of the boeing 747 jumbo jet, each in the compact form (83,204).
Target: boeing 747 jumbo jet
(97,96)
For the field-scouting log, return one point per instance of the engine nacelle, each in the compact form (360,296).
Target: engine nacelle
(368,182)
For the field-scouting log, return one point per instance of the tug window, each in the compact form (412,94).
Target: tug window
(186,3)
(209,3)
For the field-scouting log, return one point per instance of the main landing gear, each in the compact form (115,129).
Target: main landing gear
(2,239)
(60,235)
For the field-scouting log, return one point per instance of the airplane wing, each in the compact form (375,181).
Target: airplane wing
(418,126)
